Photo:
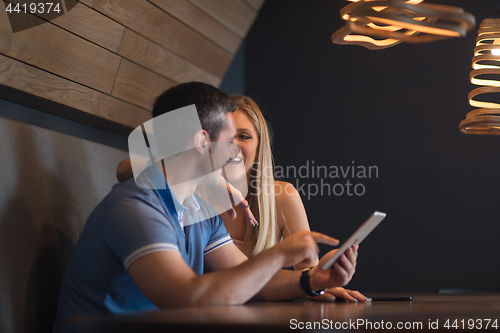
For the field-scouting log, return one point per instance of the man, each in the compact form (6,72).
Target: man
(139,251)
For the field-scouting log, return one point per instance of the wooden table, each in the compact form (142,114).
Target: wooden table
(423,312)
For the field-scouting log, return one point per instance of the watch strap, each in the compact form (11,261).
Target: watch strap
(304,284)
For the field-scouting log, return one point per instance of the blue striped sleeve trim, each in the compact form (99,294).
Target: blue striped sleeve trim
(156,247)
(217,244)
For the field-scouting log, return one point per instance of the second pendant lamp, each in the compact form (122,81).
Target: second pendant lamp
(378,24)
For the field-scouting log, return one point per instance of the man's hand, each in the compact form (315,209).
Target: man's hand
(301,247)
(340,273)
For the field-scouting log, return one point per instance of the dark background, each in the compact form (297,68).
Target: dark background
(397,109)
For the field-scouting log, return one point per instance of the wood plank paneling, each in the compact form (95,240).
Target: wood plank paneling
(55,50)
(201,22)
(162,61)
(90,24)
(233,14)
(37,82)
(138,85)
(153,23)
(255,4)
(105,61)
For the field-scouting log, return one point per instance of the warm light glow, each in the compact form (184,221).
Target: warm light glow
(376,26)
(411,2)
(366,39)
(486,67)
(421,28)
(386,27)
(484,82)
(495,51)
(490,41)
(479,104)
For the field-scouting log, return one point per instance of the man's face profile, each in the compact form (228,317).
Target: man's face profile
(223,149)
(228,133)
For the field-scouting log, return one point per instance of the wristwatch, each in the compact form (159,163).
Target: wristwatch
(304,284)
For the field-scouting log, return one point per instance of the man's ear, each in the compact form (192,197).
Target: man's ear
(201,141)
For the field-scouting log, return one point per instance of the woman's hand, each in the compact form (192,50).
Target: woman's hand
(341,272)
(124,170)
(333,294)
(336,276)
(224,187)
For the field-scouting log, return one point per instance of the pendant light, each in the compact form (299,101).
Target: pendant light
(379,24)
(486,74)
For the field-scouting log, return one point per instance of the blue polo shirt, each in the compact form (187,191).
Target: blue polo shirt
(131,222)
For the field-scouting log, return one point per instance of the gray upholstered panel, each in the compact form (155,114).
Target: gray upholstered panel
(49,184)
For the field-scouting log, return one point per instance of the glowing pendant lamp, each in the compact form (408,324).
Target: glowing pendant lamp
(379,24)
(486,73)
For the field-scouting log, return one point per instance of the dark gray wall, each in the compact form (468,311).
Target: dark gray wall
(53,172)
(234,80)
(397,109)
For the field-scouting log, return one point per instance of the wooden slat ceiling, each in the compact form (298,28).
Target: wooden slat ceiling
(112,58)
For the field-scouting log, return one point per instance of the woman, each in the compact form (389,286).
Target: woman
(276,205)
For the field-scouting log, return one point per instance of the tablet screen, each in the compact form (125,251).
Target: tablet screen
(358,236)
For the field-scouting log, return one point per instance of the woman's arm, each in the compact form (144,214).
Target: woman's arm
(292,218)
(291,213)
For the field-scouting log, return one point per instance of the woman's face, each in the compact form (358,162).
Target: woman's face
(248,141)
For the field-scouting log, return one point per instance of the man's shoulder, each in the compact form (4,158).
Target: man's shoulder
(128,198)
(132,214)
(130,190)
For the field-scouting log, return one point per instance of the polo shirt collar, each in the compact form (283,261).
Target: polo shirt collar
(155,179)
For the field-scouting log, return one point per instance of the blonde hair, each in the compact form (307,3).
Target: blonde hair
(261,186)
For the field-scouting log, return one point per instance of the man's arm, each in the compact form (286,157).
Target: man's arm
(284,285)
(168,281)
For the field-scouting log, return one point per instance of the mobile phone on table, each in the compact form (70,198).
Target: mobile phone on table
(391,298)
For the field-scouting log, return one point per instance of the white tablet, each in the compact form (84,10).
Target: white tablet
(358,236)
